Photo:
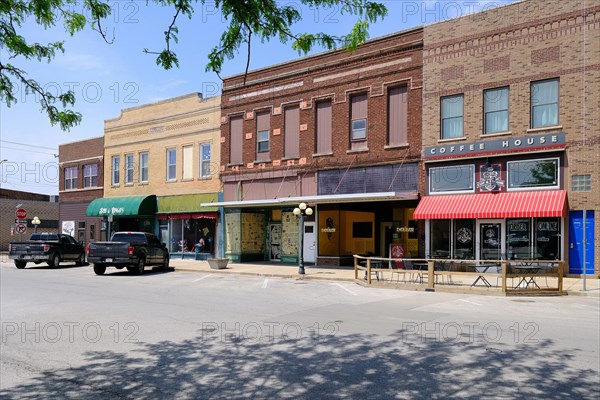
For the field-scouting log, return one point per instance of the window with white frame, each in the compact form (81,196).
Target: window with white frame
(544,103)
(144,166)
(455,178)
(171,164)
(128,168)
(90,175)
(70,178)
(581,183)
(116,170)
(358,117)
(205,160)
(495,108)
(533,174)
(263,141)
(452,116)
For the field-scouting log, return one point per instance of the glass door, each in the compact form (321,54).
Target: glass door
(490,239)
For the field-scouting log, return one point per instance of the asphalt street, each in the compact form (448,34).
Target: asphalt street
(67,333)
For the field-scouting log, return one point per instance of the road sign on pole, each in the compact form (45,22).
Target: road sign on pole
(21,213)
(21,228)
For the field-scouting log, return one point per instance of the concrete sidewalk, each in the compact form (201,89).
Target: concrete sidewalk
(573,286)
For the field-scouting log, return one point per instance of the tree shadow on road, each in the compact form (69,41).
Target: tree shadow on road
(237,365)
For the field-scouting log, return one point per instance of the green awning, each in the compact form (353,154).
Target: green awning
(122,206)
(187,203)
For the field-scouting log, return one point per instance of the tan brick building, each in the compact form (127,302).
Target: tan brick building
(161,163)
(510,110)
(339,131)
(81,180)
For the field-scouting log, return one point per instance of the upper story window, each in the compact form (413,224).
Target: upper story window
(397,116)
(581,183)
(144,166)
(188,162)
(452,116)
(495,109)
(116,170)
(236,142)
(90,175)
(263,129)
(533,174)
(358,122)
(205,160)
(292,132)
(544,103)
(455,178)
(128,168)
(70,178)
(171,164)
(323,127)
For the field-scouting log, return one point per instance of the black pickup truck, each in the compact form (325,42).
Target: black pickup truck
(134,250)
(52,248)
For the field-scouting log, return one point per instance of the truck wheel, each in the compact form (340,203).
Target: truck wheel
(99,269)
(132,269)
(80,260)
(55,260)
(140,266)
(165,266)
(20,264)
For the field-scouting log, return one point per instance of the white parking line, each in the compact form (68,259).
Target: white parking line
(199,279)
(470,302)
(347,290)
(265,283)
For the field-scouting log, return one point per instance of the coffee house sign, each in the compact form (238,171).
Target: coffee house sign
(495,146)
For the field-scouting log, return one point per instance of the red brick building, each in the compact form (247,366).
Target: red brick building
(81,180)
(340,131)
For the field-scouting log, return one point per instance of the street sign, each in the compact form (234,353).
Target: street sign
(21,213)
(21,228)
(20,221)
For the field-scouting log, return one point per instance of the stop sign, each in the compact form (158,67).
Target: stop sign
(21,213)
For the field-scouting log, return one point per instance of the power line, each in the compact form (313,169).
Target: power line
(29,151)
(29,145)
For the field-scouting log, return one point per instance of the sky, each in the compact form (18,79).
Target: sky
(107,78)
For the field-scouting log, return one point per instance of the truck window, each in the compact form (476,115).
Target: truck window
(132,238)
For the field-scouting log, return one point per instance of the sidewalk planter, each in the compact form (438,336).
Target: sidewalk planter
(218,263)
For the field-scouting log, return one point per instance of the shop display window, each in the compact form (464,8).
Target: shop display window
(464,239)
(518,238)
(547,239)
(456,178)
(528,174)
(440,238)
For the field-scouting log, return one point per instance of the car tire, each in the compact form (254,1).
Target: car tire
(55,260)
(81,260)
(99,269)
(165,266)
(20,264)
(141,265)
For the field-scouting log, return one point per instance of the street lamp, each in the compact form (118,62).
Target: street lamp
(36,221)
(301,211)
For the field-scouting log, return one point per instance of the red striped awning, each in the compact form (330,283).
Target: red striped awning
(547,203)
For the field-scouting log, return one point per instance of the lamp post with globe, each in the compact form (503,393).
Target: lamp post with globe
(300,212)
(36,221)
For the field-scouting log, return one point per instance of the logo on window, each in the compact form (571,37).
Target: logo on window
(490,178)
(464,235)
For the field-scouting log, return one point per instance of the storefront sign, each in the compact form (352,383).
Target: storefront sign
(489,178)
(405,229)
(111,210)
(328,230)
(495,146)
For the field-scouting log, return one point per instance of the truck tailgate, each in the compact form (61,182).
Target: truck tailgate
(109,249)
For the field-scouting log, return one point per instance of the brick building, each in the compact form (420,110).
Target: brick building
(511,133)
(43,206)
(161,163)
(339,131)
(81,180)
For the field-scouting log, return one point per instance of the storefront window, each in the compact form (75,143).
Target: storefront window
(518,235)
(533,174)
(547,238)
(464,238)
(440,238)
(192,235)
(457,178)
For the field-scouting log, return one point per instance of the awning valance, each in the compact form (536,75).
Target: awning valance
(546,203)
(122,206)
(207,215)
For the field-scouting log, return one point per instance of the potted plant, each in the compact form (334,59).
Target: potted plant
(217,263)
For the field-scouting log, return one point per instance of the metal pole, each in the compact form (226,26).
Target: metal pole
(300,258)
(584,251)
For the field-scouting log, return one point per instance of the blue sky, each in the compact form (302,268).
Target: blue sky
(107,78)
